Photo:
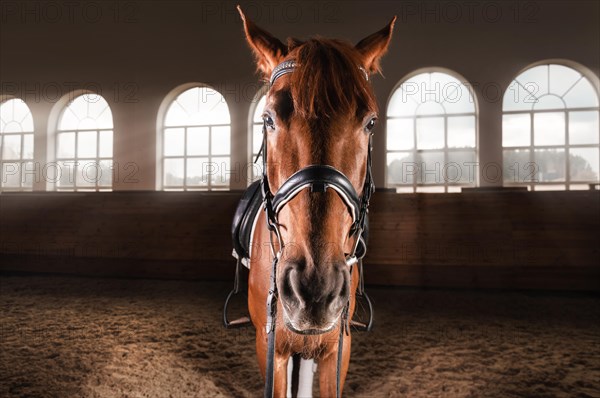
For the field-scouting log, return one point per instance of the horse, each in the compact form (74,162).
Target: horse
(318,122)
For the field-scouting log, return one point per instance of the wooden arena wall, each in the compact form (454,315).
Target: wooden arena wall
(496,239)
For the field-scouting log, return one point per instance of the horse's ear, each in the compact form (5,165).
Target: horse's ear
(374,46)
(268,50)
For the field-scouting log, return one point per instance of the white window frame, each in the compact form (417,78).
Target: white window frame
(76,159)
(567,183)
(446,186)
(160,177)
(21,161)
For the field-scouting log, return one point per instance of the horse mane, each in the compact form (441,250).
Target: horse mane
(328,80)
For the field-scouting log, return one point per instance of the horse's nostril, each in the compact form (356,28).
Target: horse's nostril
(288,288)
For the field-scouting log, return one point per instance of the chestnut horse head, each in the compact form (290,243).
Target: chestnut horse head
(321,113)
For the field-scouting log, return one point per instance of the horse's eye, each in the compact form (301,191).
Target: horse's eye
(269,122)
(371,124)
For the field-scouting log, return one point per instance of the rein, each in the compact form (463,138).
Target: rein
(317,178)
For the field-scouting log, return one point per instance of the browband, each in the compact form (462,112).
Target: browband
(288,67)
(282,69)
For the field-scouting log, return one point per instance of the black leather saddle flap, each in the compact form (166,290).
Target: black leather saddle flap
(243,220)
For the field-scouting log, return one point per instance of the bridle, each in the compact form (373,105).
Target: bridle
(317,178)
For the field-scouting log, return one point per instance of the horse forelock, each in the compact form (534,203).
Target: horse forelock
(328,81)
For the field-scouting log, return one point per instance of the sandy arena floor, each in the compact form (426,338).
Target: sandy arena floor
(85,337)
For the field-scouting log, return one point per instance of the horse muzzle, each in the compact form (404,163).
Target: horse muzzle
(313,299)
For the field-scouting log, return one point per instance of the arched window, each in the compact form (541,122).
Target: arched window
(16,145)
(196,142)
(256,138)
(84,145)
(550,130)
(431,135)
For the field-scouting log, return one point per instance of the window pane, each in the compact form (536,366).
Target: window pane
(461,132)
(401,168)
(174,142)
(88,111)
(87,124)
(28,174)
(583,164)
(430,167)
(550,165)
(66,145)
(176,115)
(535,80)
(519,98)
(11,175)
(562,78)
(439,93)
(257,138)
(106,144)
(400,134)
(430,108)
(223,173)
(12,147)
(220,140)
(100,112)
(28,146)
(457,98)
(86,144)
(106,170)
(517,166)
(66,170)
(549,128)
(258,111)
(549,102)
(430,133)
(15,117)
(461,167)
(516,130)
(88,173)
(404,101)
(197,141)
(195,171)
(581,95)
(173,172)
(68,120)
(198,106)
(583,128)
